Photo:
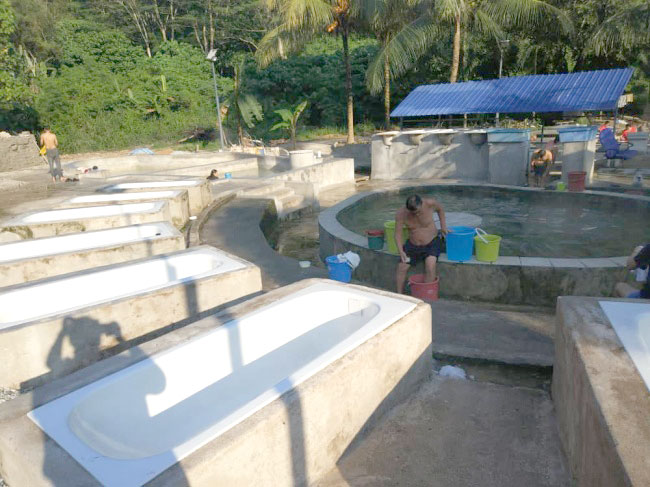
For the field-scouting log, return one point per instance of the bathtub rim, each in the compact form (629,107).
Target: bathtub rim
(174,233)
(21,324)
(175,193)
(17,221)
(106,189)
(13,414)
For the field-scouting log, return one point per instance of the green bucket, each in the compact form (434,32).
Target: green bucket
(375,239)
(389,235)
(487,246)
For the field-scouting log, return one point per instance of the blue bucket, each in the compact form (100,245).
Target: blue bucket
(460,243)
(338,271)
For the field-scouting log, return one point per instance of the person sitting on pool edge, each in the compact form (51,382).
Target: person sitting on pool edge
(639,260)
(213,175)
(541,164)
(425,242)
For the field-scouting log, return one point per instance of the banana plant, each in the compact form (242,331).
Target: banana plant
(290,120)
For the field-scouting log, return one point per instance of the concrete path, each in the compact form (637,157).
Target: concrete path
(459,433)
(235,228)
(476,331)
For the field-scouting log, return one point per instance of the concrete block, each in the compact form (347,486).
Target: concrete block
(76,319)
(599,262)
(30,260)
(536,262)
(600,400)
(576,263)
(39,224)
(294,440)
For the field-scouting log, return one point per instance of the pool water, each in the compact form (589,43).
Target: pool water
(532,224)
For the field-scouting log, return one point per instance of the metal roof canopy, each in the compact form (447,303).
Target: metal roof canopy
(567,92)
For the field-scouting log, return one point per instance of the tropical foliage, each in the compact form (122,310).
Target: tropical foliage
(108,74)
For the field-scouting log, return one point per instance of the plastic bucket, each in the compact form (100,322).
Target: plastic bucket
(577,181)
(460,243)
(228,175)
(487,246)
(338,271)
(427,291)
(375,239)
(389,235)
(560,186)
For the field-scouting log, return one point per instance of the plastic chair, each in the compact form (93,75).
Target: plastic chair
(613,147)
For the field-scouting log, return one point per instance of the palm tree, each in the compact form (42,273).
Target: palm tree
(628,28)
(403,34)
(244,107)
(299,21)
(490,16)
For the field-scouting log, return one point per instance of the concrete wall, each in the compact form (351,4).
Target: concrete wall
(359,152)
(462,159)
(19,152)
(601,402)
(17,272)
(508,162)
(510,280)
(40,351)
(578,156)
(293,441)
(329,173)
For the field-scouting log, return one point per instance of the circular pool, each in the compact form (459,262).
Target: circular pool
(553,243)
(531,223)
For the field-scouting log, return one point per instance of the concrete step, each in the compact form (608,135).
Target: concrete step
(262,191)
(282,193)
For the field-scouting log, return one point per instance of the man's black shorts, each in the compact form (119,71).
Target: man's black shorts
(420,252)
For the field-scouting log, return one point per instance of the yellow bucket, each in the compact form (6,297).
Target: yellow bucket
(389,236)
(487,246)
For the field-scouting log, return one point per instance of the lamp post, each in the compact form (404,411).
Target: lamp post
(212,57)
(502,43)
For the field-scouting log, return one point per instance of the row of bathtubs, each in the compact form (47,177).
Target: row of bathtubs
(137,374)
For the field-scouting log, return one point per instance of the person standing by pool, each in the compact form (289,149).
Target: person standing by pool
(540,165)
(639,261)
(51,144)
(425,242)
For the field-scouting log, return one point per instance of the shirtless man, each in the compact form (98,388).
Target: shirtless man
(424,242)
(48,140)
(541,164)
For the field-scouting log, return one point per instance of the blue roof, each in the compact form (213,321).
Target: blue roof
(567,92)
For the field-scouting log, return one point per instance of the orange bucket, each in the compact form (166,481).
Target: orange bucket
(427,291)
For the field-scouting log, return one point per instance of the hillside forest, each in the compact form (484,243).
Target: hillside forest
(114,74)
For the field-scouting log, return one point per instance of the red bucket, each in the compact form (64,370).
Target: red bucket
(428,291)
(577,181)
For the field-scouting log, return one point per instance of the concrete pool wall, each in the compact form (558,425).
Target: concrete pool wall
(510,280)
(292,431)
(177,200)
(51,327)
(601,401)
(198,190)
(49,223)
(30,260)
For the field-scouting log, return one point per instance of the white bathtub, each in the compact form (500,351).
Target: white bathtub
(68,293)
(198,190)
(72,220)
(631,321)
(29,260)
(178,201)
(135,423)
(75,242)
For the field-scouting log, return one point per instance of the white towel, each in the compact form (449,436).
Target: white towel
(351,258)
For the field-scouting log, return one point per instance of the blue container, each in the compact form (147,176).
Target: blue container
(577,134)
(460,243)
(338,271)
(228,175)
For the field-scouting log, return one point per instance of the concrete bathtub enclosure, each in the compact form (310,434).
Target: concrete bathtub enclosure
(601,401)
(177,200)
(513,280)
(54,326)
(198,190)
(340,370)
(30,260)
(50,223)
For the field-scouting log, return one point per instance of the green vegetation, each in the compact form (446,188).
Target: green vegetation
(112,74)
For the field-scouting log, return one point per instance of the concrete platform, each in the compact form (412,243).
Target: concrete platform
(459,433)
